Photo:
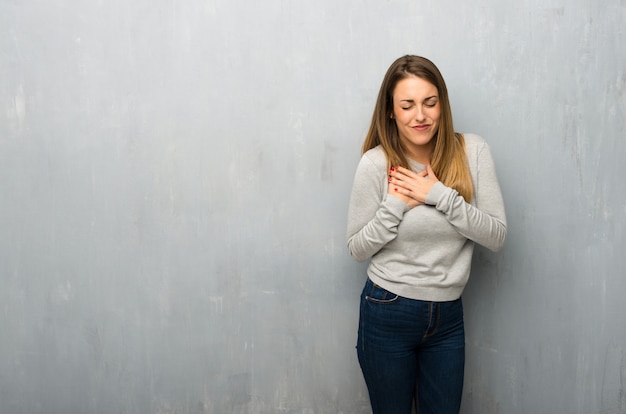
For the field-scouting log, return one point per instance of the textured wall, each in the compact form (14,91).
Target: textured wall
(174,180)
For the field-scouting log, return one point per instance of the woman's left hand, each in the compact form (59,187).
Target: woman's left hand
(411,184)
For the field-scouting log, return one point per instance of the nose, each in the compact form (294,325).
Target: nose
(419,114)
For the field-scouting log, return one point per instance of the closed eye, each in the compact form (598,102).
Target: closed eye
(431,102)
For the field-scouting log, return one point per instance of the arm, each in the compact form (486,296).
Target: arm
(373,216)
(485,221)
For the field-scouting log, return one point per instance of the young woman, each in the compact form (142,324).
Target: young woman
(423,195)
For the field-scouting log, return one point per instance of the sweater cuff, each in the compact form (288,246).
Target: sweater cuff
(436,194)
(395,205)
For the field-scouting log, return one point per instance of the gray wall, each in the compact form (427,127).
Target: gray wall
(174,180)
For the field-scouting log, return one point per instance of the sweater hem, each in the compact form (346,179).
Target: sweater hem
(429,294)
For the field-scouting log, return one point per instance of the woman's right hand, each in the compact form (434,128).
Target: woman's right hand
(397,190)
(411,187)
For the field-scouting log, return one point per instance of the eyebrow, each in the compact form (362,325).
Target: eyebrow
(426,99)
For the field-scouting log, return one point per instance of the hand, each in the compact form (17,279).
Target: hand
(411,187)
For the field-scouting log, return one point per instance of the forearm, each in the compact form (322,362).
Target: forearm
(483,220)
(367,237)
(487,228)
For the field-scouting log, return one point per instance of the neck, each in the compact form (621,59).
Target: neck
(422,154)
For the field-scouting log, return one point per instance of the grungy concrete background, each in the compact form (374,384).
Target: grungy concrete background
(174,180)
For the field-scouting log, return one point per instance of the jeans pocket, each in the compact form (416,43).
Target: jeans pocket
(379,295)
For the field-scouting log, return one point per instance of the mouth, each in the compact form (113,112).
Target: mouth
(421,128)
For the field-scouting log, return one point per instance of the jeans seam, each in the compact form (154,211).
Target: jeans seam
(432,331)
(384,301)
(381,301)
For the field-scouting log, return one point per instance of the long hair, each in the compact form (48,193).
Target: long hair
(449,160)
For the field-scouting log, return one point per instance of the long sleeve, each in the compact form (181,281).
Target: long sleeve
(373,217)
(484,220)
(425,252)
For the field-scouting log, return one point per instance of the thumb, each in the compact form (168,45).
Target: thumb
(431,173)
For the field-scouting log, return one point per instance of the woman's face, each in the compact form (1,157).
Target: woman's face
(416,110)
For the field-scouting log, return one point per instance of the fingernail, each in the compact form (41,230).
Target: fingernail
(389,179)
(395,189)
(393,169)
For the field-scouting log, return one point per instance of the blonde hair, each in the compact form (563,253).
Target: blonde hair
(449,160)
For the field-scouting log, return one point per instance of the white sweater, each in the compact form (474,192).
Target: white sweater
(424,253)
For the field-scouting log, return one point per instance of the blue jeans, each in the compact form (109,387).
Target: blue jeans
(411,351)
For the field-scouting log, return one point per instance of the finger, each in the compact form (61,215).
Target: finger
(405,171)
(430,171)
(393,171)
(396,176)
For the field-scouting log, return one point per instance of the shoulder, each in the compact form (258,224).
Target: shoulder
(475,145)
(376,158)
(371,173)
(473,141)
